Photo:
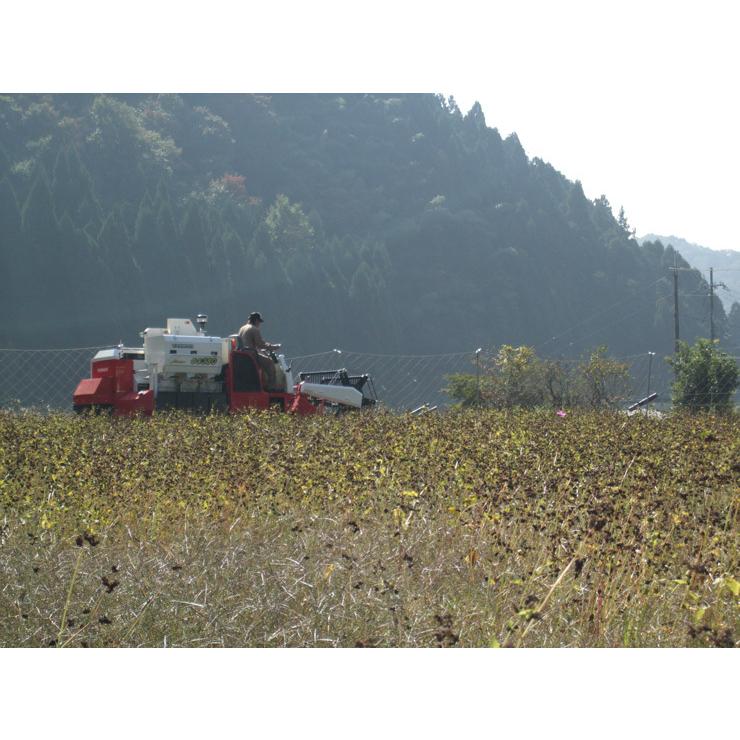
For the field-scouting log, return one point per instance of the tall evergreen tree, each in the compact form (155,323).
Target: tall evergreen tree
(37,216)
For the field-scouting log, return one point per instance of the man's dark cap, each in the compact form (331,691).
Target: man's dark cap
(255,316)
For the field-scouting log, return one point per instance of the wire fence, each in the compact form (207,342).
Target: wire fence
(407,382)
(46,379)
(42,378)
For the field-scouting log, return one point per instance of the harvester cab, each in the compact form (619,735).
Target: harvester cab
(181,366)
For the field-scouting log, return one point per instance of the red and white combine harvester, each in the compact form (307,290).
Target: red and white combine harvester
(182,367)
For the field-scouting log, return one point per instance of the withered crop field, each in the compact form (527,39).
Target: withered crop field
(475,528)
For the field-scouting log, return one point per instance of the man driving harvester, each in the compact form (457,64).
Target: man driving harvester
(250,339)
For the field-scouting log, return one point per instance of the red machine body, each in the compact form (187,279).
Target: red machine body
(111,390)
(246,389)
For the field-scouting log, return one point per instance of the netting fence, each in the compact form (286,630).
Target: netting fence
(46,379)
(42,378)
(407,382)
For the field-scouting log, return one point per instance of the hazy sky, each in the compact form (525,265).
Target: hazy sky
(638,100)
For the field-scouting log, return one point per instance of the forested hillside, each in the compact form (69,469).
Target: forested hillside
(368,222)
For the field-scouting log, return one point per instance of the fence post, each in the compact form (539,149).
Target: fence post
(650,369)
(477,375)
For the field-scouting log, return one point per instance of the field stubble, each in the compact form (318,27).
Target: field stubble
(461,529)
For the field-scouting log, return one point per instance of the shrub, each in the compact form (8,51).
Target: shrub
(705,377)
(518,378)
(605,379)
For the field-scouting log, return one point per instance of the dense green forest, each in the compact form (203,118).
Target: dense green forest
(379,223)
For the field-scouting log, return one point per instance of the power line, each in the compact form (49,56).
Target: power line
(621,319)
(591,317)
(62,349)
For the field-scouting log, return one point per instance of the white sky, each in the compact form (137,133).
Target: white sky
(638,100)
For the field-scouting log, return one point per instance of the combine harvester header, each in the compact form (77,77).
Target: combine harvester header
(183,367)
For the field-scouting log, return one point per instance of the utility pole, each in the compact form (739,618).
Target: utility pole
(675,270)
(712,286)
(711,303)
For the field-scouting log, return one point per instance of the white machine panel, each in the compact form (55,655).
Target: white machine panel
(190,355)
(181,326)
(287,372)
(343,394)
